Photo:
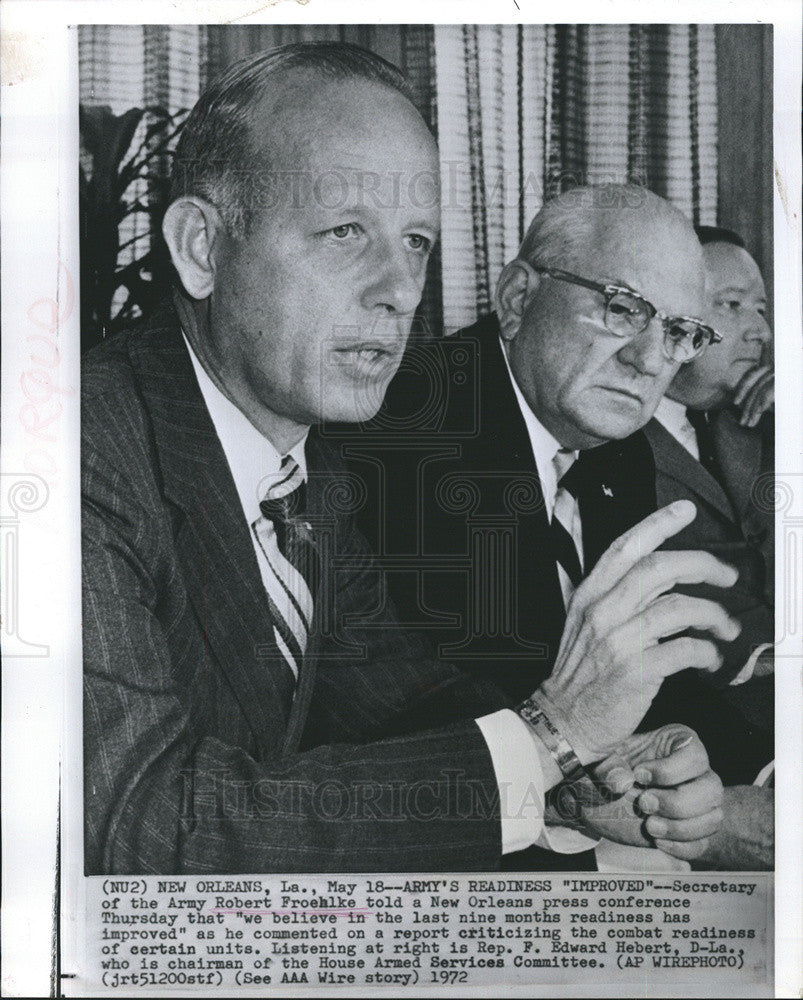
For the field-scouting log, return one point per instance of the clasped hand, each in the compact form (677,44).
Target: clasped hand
(655,790)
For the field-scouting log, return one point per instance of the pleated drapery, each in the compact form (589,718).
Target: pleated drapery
(520,111)
(538,108)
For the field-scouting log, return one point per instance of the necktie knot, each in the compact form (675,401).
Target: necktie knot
(285,499)
(562,462)
(570,471)
(698,419)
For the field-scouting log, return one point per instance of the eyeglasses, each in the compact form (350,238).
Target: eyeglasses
(627,314)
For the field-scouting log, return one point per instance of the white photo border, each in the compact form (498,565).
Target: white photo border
(42,746)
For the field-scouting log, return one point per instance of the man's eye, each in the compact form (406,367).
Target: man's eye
(418,243)
(624,306)
(622,309)
(349,230)
(733,305)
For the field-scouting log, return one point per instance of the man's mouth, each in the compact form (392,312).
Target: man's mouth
(367,353)
(619,391)
(368,357)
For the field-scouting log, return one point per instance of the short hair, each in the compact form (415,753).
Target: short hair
(215,159)
(715,234)
(561,232)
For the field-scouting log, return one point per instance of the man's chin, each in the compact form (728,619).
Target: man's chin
(358,408)
(611,428)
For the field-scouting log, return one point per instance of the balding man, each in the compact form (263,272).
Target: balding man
(251,703)
(508,457)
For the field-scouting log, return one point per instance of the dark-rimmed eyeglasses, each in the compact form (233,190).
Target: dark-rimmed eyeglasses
(627,314)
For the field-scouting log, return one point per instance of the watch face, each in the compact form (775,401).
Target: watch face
(570,798)
(565,799)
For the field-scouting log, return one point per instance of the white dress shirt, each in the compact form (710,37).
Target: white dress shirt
(672,415)
(252,461)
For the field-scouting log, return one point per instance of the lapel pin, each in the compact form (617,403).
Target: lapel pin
(607,491)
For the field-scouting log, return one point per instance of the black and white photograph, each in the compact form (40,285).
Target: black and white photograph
(270,688)
(439,538)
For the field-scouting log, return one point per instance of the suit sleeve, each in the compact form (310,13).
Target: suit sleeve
(166,791)
(376,677)
(391,683)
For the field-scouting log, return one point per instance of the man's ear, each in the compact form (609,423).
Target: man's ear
(515,287)
(191,226)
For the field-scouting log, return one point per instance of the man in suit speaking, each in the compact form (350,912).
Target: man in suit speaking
(250,702)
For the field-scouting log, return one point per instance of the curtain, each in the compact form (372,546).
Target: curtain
(535,109)
(520,112)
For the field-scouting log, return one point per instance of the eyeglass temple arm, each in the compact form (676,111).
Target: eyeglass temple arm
(575,279)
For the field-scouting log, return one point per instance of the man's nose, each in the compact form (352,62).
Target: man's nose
(645,352)
(758,329)
(396,282)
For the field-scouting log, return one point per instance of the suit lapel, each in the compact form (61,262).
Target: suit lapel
(672,459)
(739,450)
(618,491)
(215,550)
(503,444)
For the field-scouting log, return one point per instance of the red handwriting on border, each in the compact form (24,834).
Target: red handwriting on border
(39,382)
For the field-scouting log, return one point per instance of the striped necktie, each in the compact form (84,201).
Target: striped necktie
(565,525)
(287,543)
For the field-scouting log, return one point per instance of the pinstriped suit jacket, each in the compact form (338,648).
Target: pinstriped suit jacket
(194,759)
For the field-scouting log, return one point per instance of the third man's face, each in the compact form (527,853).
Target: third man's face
(311,311)
(735,306)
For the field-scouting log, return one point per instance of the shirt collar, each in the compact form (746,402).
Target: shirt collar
(253,459)
(543,444)
(672,416)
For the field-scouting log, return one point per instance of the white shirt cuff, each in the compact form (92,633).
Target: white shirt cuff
(747,670)
(612,857)
(517,767)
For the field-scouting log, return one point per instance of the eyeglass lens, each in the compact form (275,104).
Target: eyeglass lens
(628,315)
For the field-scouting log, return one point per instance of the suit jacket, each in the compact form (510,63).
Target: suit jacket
(197,756)
(457,515)
(455,511)
(735,522)
(734,513)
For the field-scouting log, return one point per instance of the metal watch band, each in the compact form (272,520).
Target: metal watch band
(567,760)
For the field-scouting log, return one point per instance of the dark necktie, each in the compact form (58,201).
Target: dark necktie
(565,514)
(292,556)
(705,442)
